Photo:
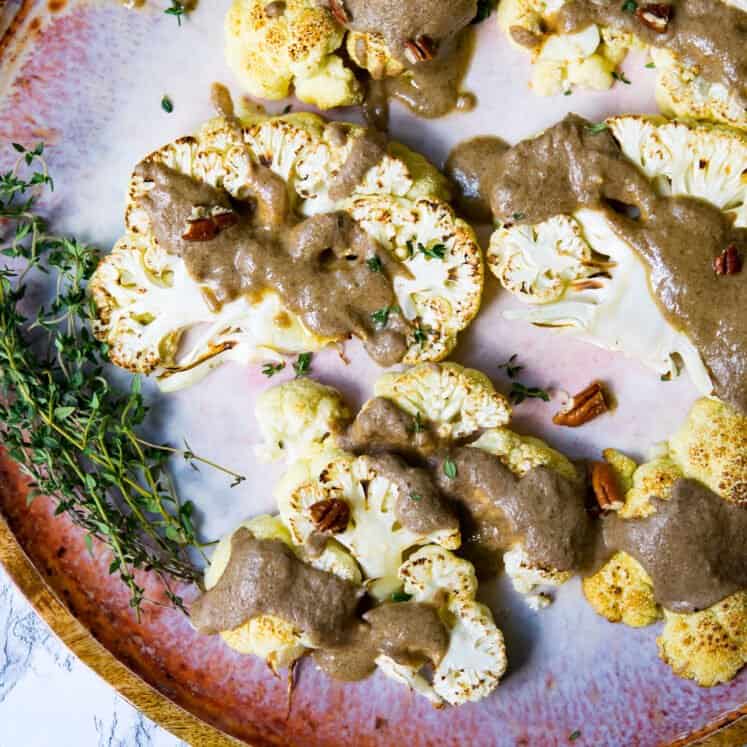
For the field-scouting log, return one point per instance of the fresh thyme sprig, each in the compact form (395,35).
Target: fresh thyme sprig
(75,435)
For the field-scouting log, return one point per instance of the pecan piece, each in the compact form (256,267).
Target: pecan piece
(588,404)
(331,515)
(339,11)
(206,229)
(729,262)
(655,15)
(420,49)
(605,486)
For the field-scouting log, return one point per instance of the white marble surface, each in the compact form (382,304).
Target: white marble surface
(48,696)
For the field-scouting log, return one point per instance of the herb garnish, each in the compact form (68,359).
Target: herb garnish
(400,596)
(650,65)
(595,129)
(621,77)
(380,317)
(420,335)
(416,497)
(177,9)
(270,369)
(574,735)
(417,425)
(629,6)
(519,393)
(374,264)
(511,369)
(167,105)
(302,365)
(450,469)
(518,216)
(72,432)
(437,251)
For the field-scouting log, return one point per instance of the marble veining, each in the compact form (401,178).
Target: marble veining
(48,696)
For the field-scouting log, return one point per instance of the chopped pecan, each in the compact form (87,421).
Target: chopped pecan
(420,49)
(583,407)
(339,11)
(655,15)
(605,486)
(331,515)
(206,229)
(729,262)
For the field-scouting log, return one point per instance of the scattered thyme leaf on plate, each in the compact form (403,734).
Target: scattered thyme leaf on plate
(302,365)
(519,392)
(270,369)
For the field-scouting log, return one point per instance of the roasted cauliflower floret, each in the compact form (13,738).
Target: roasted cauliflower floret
(681,92)
(709,647)
(146,300)
(455,401)
(622,592)
(272,639)
(373,535)
(575,273)
(275,47)
(370,52)
(297,418)
(688,158)
(476,657)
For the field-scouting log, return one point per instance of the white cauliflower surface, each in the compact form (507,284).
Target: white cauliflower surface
(574,273)
(158,320)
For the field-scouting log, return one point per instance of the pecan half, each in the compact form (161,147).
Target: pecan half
(420,49)
(655,15)
(729,262)
(331,515)
(605,486)
(206,229)
(339,11)
(588,404)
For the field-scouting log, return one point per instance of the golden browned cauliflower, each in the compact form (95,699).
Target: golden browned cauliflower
(709,646)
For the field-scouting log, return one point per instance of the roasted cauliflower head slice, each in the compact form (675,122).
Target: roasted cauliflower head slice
(709,647)
(298,418)
(276,48)
(475,659)
(146,300)
(454,401)
(374,535)
(575,274)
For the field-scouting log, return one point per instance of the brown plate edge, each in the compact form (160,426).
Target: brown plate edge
(156,706)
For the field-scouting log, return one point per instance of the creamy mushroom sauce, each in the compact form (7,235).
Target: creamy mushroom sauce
(694,547)
(429,87)
(265,577)
(707,34)
(317,265)
(574,165)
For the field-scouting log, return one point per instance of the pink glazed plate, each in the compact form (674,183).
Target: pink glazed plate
(87,78)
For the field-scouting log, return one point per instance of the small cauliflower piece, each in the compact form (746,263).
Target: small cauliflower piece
(274,48)
(146,301)
(370,52)
(709,647)
(476,657)
(374,536)
(455,401)
(297,418)
(622,592)
(711,447)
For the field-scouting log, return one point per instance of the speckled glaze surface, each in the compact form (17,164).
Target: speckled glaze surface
(87,78)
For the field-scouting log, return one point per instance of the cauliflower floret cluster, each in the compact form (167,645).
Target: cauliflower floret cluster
(146,300)
(709,646)
(476,657)
(575,273)
(276,48)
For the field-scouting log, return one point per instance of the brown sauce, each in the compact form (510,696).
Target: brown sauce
(570,166)
(411,633)
(264,577)
(707,34)
(429,86)
(318,265)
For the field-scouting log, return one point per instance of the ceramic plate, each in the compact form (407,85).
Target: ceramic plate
(87,78)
